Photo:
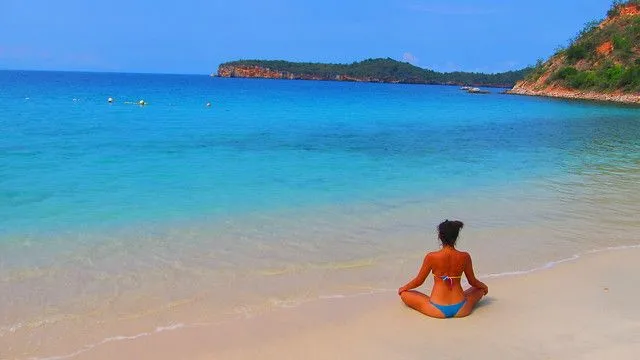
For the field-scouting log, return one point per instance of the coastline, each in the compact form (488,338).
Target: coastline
(630,99)
(374,81)
(579,308)
(371,70)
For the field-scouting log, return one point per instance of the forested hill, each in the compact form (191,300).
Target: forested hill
(371,70)
(601,63)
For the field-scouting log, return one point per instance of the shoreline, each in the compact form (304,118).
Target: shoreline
(113,319)
(585,316)
(491,86)
(627,99)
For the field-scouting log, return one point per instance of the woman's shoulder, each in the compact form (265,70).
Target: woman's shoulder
(464,255)
(432,254)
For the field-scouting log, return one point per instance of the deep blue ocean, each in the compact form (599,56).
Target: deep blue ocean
(115,211)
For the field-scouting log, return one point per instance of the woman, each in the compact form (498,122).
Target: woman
(447,298)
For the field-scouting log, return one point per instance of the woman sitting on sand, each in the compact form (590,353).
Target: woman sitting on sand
(447,298)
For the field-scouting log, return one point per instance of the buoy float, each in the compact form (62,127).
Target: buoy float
(142,103)
(110,100)
(208,104)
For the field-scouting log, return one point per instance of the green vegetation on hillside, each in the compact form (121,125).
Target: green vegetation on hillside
(386,70)
(603,58)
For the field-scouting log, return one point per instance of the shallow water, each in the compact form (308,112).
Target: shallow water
(119,218)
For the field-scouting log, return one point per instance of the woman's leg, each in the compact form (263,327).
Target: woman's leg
(420,302)
(472,296)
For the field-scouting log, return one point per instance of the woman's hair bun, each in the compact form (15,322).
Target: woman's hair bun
(448,231)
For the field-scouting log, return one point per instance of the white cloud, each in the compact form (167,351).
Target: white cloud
(410,58)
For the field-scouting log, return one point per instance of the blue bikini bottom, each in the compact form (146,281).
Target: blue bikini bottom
(449,310)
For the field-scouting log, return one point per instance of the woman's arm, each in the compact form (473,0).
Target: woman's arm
(425,269)
(471,277)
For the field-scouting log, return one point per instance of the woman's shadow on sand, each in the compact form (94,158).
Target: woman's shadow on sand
(485,301)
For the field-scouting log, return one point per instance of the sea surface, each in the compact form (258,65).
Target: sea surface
(121,219)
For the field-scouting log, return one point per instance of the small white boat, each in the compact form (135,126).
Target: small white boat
(476,90)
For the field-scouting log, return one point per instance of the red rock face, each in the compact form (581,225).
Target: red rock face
(265,73)
(630,10)
(605,48)
(251,72)
(627,10)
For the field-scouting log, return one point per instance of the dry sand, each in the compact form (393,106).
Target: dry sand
(582,309)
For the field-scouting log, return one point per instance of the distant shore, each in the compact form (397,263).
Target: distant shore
(492,86)
(633,99)
(370,70)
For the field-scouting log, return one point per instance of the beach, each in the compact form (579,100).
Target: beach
(582,308)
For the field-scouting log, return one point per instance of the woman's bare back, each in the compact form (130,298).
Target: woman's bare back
(447,266)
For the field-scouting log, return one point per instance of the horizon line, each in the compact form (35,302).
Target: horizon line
(215,72)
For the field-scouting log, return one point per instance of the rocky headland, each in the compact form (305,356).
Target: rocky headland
(255,71)
(602,63)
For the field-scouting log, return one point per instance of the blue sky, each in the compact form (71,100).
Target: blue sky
(195,36)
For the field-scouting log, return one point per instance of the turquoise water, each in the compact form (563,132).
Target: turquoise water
(70,159)
(117,208)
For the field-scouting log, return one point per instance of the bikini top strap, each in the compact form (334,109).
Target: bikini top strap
(445,277)
(448,278)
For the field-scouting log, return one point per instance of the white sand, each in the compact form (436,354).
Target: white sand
(584,309)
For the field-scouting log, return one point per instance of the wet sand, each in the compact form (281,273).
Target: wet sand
(580,309)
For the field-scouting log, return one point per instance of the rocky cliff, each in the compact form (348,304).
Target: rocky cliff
(602,63)
(247,71)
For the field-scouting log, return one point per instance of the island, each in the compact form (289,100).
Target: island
(601,63)
(370,70)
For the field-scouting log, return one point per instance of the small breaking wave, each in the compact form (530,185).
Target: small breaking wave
(111,339)
(552,264)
